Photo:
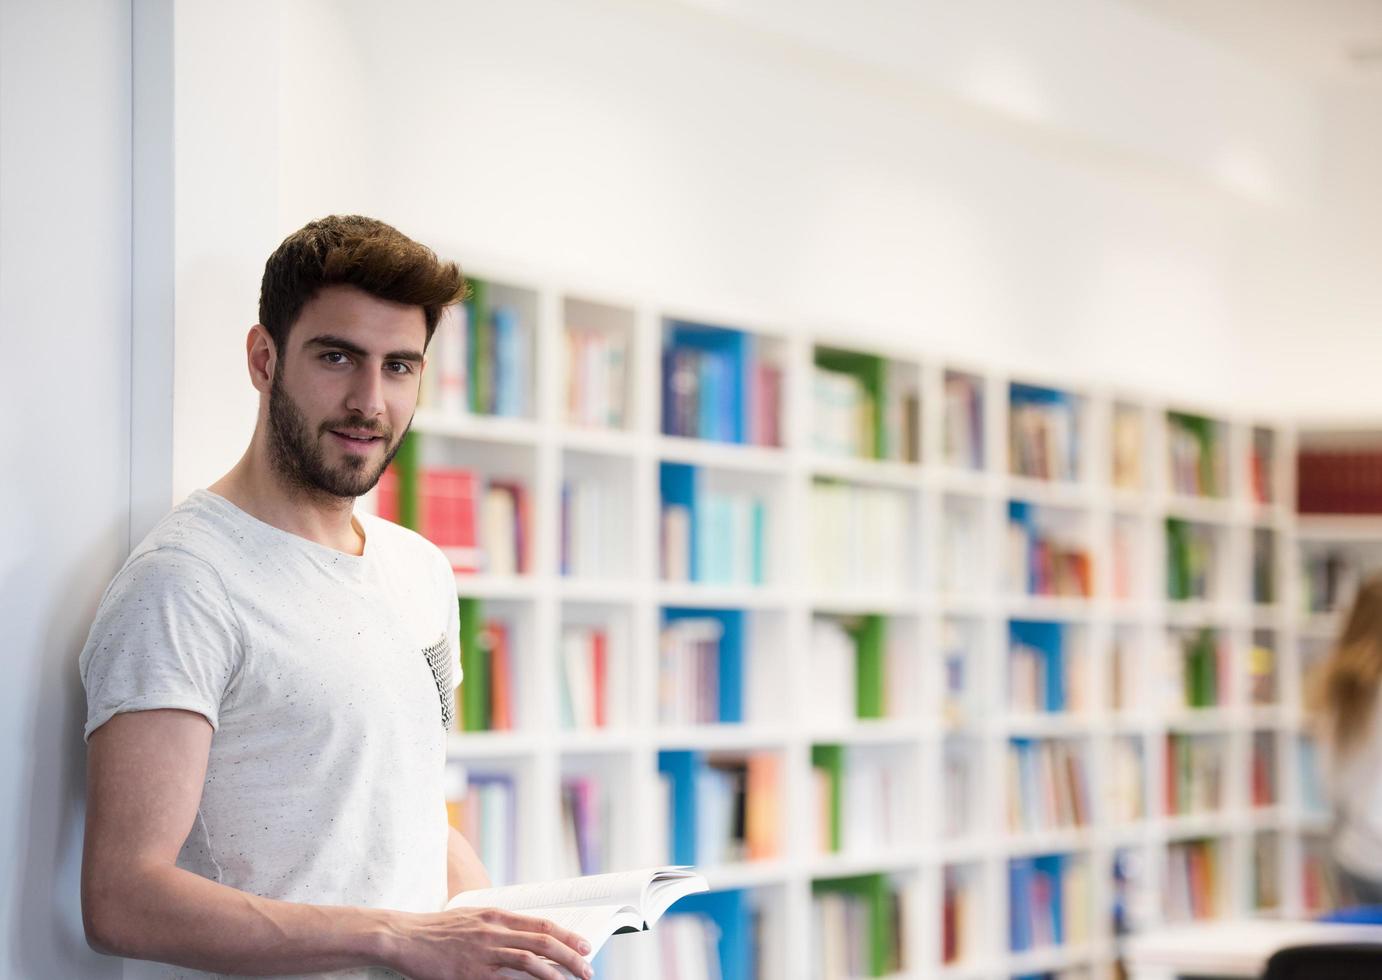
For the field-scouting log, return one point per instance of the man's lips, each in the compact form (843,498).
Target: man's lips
(355,438)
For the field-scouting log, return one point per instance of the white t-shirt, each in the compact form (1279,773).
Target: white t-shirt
(329,680)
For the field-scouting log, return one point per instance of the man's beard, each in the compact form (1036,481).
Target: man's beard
(298,457)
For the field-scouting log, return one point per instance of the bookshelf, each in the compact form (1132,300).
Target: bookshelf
(889,644)
(1338,543)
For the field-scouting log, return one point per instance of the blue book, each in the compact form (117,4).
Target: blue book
(1052,868)
(678,486)
(731,678)
(712,393)
(1028,788)
(509,392)
(1020,513)
(1019,904)
(1049,639)
(680,768)
(1024,394)
(731,912)
(734,350)
(730,411)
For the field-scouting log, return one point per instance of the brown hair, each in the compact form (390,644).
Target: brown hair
(1345,687)
(354,251)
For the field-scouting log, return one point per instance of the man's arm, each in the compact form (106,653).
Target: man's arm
(464,870)
(144,780)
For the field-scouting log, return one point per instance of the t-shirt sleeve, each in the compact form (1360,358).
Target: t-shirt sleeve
(165,636)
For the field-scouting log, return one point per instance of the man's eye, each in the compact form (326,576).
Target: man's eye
(331,357)
(399,367)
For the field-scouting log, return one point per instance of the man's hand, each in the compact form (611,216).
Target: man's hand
(475,944)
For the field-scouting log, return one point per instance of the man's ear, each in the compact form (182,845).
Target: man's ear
(262,357)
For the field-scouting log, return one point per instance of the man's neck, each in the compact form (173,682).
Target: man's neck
(256,487)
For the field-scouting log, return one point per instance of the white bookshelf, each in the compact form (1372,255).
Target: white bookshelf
(1356,542)
(943,594)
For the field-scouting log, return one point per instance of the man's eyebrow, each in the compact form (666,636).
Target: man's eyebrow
(350,347)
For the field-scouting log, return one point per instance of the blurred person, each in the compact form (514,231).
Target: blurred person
(271,675)
(1345,700)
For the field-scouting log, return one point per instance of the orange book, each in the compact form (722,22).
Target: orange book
(501,678)
(600,656)
(1198,860)
(761,817)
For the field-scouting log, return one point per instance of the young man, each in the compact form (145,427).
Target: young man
(270,675)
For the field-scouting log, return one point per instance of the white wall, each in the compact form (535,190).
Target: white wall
(65,318)
(225,221)
(1088,192)
(1313,291)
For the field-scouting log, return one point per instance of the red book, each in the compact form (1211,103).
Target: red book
(501,677)
(599,656)
(386,496)
(448,515)
(1260,795)
(950,932)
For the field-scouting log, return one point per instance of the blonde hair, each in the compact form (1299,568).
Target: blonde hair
(1344,688)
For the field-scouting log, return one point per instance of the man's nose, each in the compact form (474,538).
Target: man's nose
(366,394)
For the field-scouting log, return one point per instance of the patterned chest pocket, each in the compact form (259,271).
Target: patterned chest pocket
(438,657)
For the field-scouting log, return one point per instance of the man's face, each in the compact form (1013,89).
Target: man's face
(344,390)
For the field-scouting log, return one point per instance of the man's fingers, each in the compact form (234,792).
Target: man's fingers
(528,964)
(532,923)
(553,950)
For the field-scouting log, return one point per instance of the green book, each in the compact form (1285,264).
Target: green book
(870,641)
(1203,432)
(1208,680)
(478,346)
(474,668)
(872,372)
(874,890)
(1193,674)
(831,758)
(405,464)
(1178,573)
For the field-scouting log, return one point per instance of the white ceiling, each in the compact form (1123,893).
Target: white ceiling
(1329,41)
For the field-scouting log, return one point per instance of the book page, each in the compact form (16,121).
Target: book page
(666,889)
(619,888)
(593,923)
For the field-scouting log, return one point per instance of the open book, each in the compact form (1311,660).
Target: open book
(596,906)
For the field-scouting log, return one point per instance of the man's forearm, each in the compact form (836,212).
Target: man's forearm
(464,869)
(174,916)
